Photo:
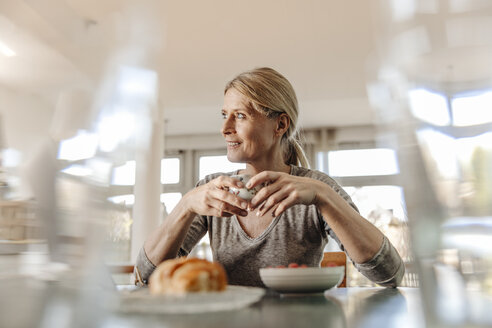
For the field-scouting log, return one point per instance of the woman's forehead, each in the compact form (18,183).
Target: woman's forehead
(234,100)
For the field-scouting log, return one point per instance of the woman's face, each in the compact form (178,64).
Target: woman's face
(250,135)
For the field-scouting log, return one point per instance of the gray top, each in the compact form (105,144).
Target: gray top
(298,235)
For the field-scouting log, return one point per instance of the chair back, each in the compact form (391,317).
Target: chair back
(336,259)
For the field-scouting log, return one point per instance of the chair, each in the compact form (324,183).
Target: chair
(120,268)
(336,259)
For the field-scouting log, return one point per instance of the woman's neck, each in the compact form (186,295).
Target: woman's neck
(254,168)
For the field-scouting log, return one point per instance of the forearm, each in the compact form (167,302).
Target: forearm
(386,268)
(164,243)
(361,239)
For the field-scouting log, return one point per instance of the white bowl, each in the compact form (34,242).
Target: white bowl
(302,280)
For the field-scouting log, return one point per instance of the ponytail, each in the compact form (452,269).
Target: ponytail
(294,154)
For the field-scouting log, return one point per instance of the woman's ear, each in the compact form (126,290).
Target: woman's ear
(283,123)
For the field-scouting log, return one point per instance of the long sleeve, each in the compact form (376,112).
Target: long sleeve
(143,268)
(386,268)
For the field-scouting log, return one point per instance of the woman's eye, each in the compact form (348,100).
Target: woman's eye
(224,115)
(241,116)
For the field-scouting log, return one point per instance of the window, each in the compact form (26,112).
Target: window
(214,164)
(124,175)
(429,106)
(170,200)
(472,109)
(170,170)
(123,180)
(362,162)
(381,202)
(372,200)
(458,156)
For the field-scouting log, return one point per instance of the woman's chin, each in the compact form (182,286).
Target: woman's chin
(235,159)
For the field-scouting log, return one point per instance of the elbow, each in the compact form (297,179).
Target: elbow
(396,278)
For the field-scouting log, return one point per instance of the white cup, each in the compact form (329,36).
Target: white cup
(244,193)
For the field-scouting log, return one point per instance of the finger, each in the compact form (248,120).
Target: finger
(225,181)
(262,177)
(263,195)
(224,209)
(230,198)
(284,205)
(216,212)
(273,200)
(274,210)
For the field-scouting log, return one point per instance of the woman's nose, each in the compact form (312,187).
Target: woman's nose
(228,126)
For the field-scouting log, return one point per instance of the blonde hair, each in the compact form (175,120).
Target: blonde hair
(272,94)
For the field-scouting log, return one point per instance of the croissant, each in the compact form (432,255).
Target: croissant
(183,275)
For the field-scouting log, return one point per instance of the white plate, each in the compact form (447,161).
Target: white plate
(234,297)
(302,280)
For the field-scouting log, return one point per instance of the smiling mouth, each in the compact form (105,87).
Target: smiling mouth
(232,144)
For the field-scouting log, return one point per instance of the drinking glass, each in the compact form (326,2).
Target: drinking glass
(430,82)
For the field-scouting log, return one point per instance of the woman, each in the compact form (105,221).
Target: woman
(289,219)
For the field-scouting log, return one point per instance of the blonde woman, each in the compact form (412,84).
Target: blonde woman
(290,219)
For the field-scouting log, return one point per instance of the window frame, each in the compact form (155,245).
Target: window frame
(355,181)
(206,152)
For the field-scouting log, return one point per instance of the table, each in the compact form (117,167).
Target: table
(339,307)
(38,303)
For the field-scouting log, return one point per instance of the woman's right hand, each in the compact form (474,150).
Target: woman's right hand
(214,199)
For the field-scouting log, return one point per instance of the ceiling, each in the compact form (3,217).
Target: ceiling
(196,47)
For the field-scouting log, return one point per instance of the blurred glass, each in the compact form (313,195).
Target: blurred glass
(430,81)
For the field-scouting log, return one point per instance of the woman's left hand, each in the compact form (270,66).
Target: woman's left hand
(282,191)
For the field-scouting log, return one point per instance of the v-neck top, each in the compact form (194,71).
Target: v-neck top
(298,235)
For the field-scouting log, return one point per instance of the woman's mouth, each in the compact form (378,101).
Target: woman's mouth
(232,144)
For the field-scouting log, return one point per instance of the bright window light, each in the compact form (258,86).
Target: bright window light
(170,170)
(11,157)
(429,107)
(116,128)
(371,200)
(97,169)
(77,170)
(6,51)
(128,199)
(137,82)
(362,162)
(82,146)
(403,9)
(440,148)
(472,110)
(170,200)
(124,175)
(214,164)
(321,161)
(101,169)
(466,147)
